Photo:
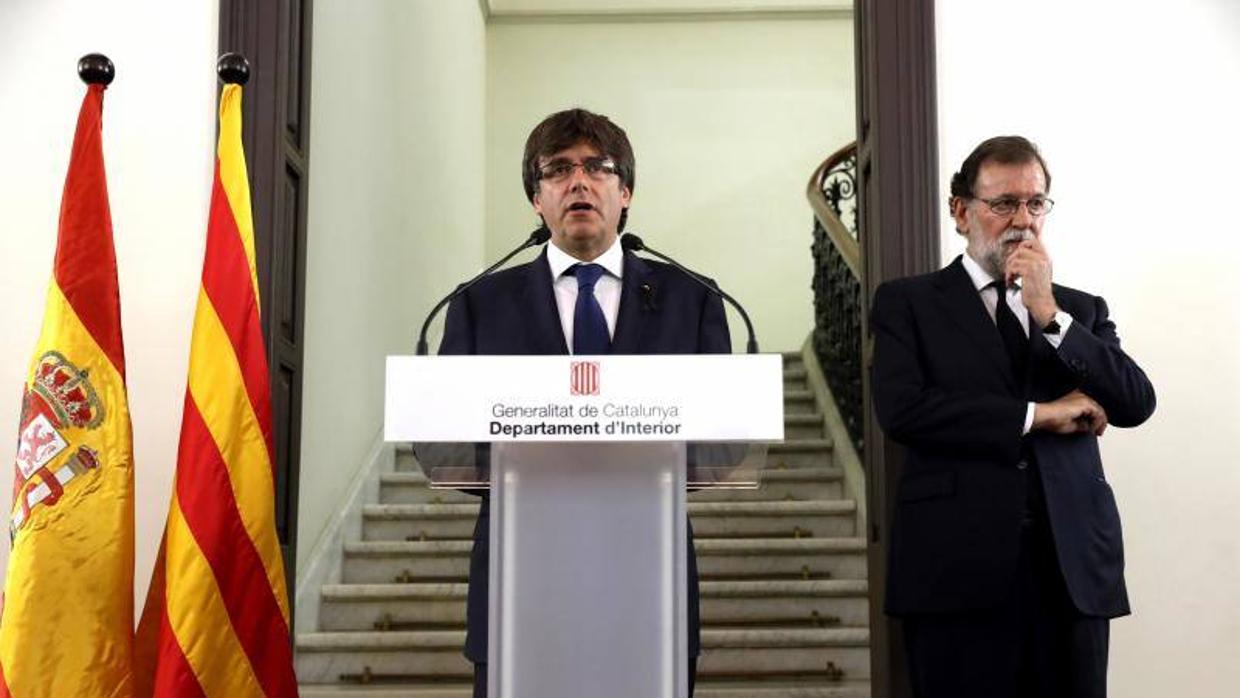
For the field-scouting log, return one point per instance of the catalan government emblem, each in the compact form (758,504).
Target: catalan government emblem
(59,403)
(584,377)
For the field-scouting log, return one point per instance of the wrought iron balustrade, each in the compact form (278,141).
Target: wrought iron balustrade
(832,194)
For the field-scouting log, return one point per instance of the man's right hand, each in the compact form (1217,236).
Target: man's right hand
(1074,413)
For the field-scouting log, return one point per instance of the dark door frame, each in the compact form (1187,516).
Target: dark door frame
(275,38)
(898,188)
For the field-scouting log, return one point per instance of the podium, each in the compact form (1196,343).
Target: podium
(587,461)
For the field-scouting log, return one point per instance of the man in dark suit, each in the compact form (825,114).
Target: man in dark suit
(583,292)
(1006,558)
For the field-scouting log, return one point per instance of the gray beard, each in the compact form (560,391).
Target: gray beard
(989,255)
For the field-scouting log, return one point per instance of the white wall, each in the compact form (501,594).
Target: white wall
(1135,107)
(158,140)
(728,119)
(395,214)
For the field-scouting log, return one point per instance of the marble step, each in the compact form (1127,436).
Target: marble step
(418,521)
(791,519)
(799,401)
(412,487)
(808,425)
(800,453)
(795,378)
(330,657)
(832,558)
(807,483)
(704,689)
(391,562)
(832,518)
(405,461)
(752,653)
(843,601)
(363,607)
(345,657)
(782,484)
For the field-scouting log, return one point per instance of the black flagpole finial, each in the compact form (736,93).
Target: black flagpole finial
(96,69)
(233,69)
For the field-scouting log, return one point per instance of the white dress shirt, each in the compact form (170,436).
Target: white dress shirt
(990,298)
(606,290)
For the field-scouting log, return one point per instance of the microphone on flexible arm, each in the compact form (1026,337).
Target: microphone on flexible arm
(632,243)
(536,238)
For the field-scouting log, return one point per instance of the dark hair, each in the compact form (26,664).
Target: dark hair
(565,129)
(1005,150)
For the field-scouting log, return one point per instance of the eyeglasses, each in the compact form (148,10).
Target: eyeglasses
(1009,205)
(595,168)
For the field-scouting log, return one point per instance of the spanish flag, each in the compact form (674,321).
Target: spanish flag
(221,605)
(67,626)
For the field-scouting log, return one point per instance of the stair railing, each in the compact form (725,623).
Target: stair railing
(832,194)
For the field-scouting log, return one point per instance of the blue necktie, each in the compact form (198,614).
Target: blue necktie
(589,324)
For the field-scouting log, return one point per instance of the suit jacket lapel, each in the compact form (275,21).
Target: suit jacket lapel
(638,298)
(963,304)
(544,334)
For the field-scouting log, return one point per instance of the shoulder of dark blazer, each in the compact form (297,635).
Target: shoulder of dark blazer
(509,279)
(921,282)
(1068,296)
(666,274)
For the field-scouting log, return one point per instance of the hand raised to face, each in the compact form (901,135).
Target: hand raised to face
(1032,265)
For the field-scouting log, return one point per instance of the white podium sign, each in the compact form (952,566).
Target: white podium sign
(683,397)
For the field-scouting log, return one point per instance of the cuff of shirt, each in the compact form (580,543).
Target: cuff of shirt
(1065,321)
(1029,418)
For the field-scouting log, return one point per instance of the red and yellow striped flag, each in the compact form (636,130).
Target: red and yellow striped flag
(67,625)
(224,623)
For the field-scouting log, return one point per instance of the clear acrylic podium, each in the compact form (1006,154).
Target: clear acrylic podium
(587,460)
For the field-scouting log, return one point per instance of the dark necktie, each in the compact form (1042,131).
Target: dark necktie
(589,324)
(1014,338)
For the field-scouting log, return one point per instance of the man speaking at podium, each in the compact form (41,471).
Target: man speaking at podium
(1006,559)
(582,295)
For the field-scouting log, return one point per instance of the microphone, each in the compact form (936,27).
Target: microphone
(536,238)
(631,243)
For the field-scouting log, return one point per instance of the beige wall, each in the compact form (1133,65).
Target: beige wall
(728,119)
(395,217)
(1135,107)
(158,141)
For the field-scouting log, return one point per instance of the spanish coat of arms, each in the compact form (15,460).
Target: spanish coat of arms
(59,401)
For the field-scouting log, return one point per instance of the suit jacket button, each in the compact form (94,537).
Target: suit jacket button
(1021,465)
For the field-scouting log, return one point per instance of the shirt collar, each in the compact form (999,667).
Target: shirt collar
(980,278)
(612,260)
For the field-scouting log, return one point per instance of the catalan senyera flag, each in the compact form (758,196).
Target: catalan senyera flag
(67,625)
(218,591)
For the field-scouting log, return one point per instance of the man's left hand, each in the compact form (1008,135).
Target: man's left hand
(1032,265)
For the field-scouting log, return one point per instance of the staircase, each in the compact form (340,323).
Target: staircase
(783,583)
